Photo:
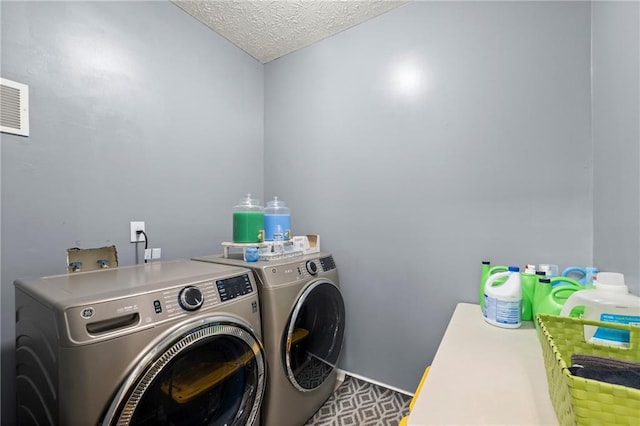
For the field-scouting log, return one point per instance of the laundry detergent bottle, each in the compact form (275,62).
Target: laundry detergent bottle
(484,274)
(529,280)
(553,302)
(540,293)
(566,281)
(603,304)
(503,303)
(582,275)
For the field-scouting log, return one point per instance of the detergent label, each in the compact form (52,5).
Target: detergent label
(506,312)
(612,336)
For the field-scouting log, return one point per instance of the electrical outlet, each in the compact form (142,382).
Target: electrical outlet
(147,254)
(137,226)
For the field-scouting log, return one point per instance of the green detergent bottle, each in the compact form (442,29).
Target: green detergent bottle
(540,293)
(486,271)
(566,281)
(529,280)
(551,294)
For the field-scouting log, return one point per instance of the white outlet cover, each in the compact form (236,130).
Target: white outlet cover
(137,226)
(155,253)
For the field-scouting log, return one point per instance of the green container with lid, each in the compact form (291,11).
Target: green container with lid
(248,221)
(485,272)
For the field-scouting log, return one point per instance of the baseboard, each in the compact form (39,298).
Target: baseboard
(343,373)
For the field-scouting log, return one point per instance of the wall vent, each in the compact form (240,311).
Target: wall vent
(14,107)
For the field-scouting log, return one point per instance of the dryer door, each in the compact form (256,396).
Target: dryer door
(211,372)
(313,338)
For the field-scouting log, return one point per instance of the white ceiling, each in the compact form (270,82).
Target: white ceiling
(269,29)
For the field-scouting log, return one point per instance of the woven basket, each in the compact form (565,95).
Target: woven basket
(580,401)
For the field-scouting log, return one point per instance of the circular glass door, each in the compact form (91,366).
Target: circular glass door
(313,338)
(211,375)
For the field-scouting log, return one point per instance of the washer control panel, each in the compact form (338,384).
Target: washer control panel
(311,267)
(100,305)
(327,263)
(233,287)
(106,319)
(190,298)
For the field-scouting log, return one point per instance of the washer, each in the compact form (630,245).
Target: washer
(303,322)
(161,343)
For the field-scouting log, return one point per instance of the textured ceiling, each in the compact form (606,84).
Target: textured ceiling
(269,29)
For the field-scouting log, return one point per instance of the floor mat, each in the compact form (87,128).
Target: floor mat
(360,403)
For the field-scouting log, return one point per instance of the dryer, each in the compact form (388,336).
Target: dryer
(303,323)
(161,343)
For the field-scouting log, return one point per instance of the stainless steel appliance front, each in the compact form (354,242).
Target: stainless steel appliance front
(164,343)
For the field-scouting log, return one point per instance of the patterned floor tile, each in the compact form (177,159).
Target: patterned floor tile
(360,403)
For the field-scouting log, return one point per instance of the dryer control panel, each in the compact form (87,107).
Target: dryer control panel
(311,267)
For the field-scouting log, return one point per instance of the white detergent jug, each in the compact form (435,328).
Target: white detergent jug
(503,303)
(602,304)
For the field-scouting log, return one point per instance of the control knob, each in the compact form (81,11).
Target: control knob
(190,298)
(312,268)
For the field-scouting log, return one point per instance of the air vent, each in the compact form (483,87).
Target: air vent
(14,107)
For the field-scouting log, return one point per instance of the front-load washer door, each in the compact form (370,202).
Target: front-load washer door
(208,373)
(312,340)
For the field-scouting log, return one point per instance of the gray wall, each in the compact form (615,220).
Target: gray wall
(138,112)
(616,135)
(490,159)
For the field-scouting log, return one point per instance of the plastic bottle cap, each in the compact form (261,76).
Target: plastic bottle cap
(611,278)
(514,269)
(622,289)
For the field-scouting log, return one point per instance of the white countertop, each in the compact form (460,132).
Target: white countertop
(486,375)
